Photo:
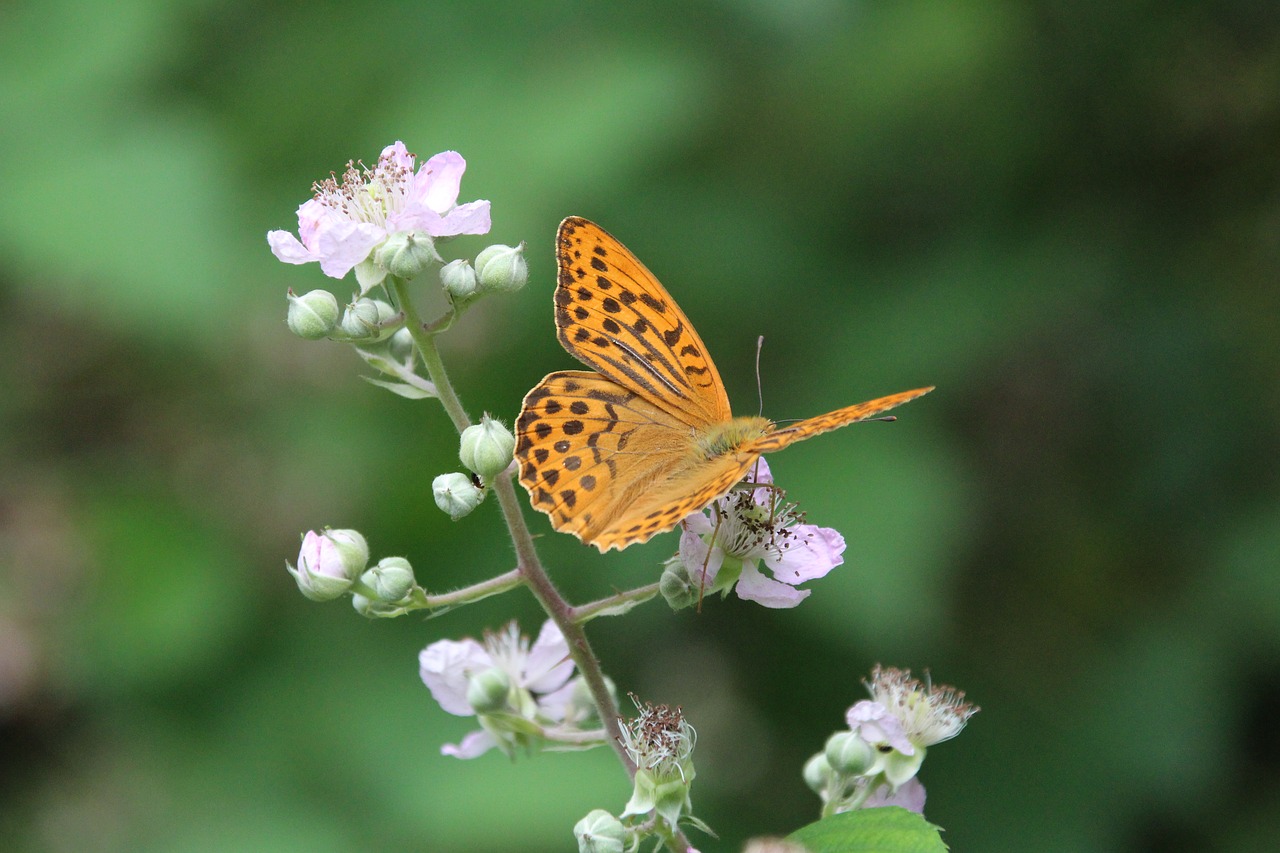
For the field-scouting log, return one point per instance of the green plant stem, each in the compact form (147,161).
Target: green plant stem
(562,614)
(586,612)
(475,592)
(426,343)
(527,562)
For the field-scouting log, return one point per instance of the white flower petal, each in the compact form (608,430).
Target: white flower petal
(439,181)
(397,154)
(910,796)
(470,218)
(548,665)
(446,666)
(810,552)
(474,744)
(877,725)
(754,586)
(287,248)
(342,245)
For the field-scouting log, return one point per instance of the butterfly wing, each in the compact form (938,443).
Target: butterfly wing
(592,451)
(615,317)
(800,430)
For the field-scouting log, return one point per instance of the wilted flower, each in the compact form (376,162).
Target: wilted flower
(660,742)
(752,529)
(350,216)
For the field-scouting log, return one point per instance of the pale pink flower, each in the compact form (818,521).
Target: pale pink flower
(928,713)
(909,795)
(757,529)
(349,216)
(539,675)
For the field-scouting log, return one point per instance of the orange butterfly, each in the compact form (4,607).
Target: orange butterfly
(622,452)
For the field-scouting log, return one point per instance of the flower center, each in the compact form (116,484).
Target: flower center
(366,195)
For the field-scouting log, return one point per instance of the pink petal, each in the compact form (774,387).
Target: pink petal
(875,724)
(439,180)
(397,154)
(342,245)
(753,586)
(910,796)
(555,705)
(548,666)
(286,247)
(446,666)
(474,744)
(813,552)
(700,561)
(469,218)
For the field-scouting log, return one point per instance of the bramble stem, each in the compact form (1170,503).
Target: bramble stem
(562,614)
(528,565)
(586,612)
(426,344)
(475,592)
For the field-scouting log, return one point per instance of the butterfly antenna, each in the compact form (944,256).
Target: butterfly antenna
(759,387)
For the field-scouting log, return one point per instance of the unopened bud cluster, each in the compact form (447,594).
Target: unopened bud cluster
(333,563)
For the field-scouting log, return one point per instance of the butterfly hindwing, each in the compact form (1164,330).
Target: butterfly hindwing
(589,449)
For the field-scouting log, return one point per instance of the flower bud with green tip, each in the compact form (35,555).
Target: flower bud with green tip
(817,773)
(459,279)
(313,315)
(328,563)
(600,832)
(850,755)
(502,269)
(353,548)
(407,254)
(489,691)
(369,319)
(456,494)
(400,345)
(374,609)
(675,585)
(487,447)
(391,579)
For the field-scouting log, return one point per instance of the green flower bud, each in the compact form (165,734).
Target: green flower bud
(369,319)
(459,279)
(401,345)
(487,447)
(373,609)
(488,691)
(817,773)
(407,254)
(312,315)
(600,832)
(502,269)
(352,547)
(849,755)
(676,586)
(456,494)
(391,579)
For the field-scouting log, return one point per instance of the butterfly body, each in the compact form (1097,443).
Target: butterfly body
(625,451)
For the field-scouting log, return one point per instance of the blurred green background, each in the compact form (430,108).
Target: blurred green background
(1064,215)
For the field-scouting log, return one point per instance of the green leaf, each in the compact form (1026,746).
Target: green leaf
(407,391)
(881,830)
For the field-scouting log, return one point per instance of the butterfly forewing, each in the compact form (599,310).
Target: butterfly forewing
(808,427)
(614,316)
